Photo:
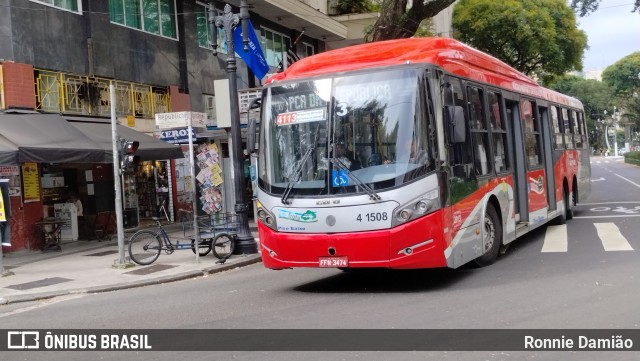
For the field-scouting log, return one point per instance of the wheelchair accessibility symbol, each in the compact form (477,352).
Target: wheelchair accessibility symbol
(339,178)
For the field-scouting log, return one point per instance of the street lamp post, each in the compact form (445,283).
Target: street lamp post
(228,21)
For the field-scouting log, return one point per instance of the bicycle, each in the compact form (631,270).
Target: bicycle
(218,235)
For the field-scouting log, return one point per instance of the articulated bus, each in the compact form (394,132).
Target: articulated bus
(412,153)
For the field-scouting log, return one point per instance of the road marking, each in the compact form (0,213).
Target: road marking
(555,239)
(598,180)
(628,180)
(611,238)
(611,216)
(595,204)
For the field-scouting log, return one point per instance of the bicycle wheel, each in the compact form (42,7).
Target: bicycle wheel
(223,245)
(205,246)
(144,247)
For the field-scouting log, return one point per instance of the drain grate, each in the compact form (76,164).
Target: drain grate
(150,269)
(37,284)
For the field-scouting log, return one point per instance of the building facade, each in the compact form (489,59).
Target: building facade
(61,57)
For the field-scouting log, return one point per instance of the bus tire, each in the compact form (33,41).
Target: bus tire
(492,238)
(562,218)
(570,202)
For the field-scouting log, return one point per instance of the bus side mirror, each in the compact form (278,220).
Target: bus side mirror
(455,124)
(251,126)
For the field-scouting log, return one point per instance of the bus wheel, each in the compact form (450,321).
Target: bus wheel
(570,202)
(492,238)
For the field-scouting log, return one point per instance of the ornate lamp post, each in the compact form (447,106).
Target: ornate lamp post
(228,21)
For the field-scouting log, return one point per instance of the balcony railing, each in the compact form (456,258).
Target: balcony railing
(83,95)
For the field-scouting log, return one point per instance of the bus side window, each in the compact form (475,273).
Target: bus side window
(479,132)
(531,134)
(568,131)
(499,133)
(460,152)
(556,124)
(577,136)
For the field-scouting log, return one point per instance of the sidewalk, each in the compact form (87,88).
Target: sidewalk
(87,267)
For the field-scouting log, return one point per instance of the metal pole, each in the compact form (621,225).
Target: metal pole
(115,140)
(194,202)
(616,119)
(245,243)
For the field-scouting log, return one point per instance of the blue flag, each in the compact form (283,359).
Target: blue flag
(254,58)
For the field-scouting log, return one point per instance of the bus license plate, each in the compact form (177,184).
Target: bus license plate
(333,261)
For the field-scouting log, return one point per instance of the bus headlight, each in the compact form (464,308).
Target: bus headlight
(265,216)
(425,204)
(405,215)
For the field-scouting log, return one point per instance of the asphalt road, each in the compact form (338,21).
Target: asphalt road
(585,283)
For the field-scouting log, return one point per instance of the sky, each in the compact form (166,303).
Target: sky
(613,32)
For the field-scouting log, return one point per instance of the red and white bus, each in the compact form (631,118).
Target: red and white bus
(412,153)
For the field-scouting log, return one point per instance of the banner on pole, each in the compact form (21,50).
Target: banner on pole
(254,57)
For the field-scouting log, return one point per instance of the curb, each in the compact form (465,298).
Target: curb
(249,260)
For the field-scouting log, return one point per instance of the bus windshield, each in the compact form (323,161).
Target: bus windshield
(348,134)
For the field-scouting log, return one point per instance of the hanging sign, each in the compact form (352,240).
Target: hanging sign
(180,120)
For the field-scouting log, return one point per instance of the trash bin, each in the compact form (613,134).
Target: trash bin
(130,216)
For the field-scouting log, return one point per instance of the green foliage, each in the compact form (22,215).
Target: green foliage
(632,155)
(632,110)
(354,6)
(586,7)
(424,30)
(538,37)
(632,158)
(624,75)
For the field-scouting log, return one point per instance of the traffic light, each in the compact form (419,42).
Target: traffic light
(128,158)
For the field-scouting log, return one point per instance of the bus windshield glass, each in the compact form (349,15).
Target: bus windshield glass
(348,134)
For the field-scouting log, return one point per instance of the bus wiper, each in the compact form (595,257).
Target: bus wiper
(372,194)
(296,175)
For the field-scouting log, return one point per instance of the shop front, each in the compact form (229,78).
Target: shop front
(54,164)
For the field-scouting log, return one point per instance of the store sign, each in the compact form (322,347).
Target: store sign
(177,136)
(31,182)
(7,171)
(180,120)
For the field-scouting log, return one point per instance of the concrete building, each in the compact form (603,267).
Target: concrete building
(59,58)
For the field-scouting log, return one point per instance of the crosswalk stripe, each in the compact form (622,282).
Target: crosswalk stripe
(611,238)
(555,239)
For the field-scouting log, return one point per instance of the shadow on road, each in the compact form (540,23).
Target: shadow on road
(385,280)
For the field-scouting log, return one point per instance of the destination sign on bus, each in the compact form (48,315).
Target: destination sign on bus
(298,102)
(305,116)
(354,94)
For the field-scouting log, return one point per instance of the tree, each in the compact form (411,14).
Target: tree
(399,20)
(632,112)
(586,7)
(538,37)
(342,7)
(624,75)
(596,97)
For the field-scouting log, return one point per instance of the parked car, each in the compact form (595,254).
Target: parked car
(621,151)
